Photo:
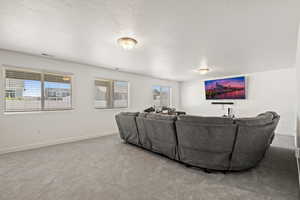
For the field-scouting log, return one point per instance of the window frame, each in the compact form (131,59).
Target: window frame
(111,94)
(42,72)
(170,94)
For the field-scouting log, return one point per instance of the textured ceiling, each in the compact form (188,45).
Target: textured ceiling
(175,37)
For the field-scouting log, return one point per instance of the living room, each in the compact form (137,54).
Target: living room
(65,79)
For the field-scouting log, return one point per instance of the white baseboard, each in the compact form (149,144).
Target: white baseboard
(51,143)
(284,141)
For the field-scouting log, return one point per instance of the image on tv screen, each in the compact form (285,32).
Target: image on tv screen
(229,88)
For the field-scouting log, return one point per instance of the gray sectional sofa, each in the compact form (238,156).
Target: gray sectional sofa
(214,143)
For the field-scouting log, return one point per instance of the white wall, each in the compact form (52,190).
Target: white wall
(27,130)
(298,104)
(271,90)
(298,89)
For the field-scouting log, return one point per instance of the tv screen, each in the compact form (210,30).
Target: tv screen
(228,88)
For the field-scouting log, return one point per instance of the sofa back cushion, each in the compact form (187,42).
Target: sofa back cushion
(206,142)
(157,133)
(205,120)
(130,113)
(254,136)
(126,122)
(155,116)
(261,119)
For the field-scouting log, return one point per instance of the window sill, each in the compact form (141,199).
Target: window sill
(37,112)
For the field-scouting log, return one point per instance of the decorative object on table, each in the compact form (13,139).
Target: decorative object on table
(149,110)
(229,113)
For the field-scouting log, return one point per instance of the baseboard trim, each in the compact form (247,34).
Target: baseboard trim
(51,143)
(284,141)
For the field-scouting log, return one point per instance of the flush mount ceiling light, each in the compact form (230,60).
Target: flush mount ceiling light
(127,43)
(202,70)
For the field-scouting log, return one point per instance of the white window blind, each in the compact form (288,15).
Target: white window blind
(22,91)
(161,96)
(111,94)
(33,91)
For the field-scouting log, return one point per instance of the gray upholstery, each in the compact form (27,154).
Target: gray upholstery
(158,134)
(254,137)
(204,120)
(208,142)
(127,127)
(261,119)
(144,141)
(161,117)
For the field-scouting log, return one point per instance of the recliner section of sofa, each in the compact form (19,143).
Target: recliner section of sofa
(208,142)
(158,133)
(254,137)
(126,122)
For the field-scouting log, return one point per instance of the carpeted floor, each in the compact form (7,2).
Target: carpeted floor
(107,169)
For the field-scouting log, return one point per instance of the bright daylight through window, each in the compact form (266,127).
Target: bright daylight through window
(161,96)
(35,91)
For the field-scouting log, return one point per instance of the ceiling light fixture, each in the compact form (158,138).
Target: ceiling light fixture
(127,43)
(202,70)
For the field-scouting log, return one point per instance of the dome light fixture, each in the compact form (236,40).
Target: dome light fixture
(202,70)
(127,43)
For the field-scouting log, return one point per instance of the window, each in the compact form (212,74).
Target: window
(34,91)
(57,91)
(161,96)
(111,94)
(103,93)
(120,94)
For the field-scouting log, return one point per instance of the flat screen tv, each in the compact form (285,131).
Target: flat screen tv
(228,88)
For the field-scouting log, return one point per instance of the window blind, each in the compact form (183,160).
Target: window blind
(111,94)
(22,91)
(33,91)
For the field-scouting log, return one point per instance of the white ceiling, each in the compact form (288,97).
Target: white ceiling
(175,36)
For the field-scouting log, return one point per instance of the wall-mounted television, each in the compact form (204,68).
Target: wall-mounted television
(228,88)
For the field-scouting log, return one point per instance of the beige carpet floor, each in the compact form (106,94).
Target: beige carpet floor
(106,169)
